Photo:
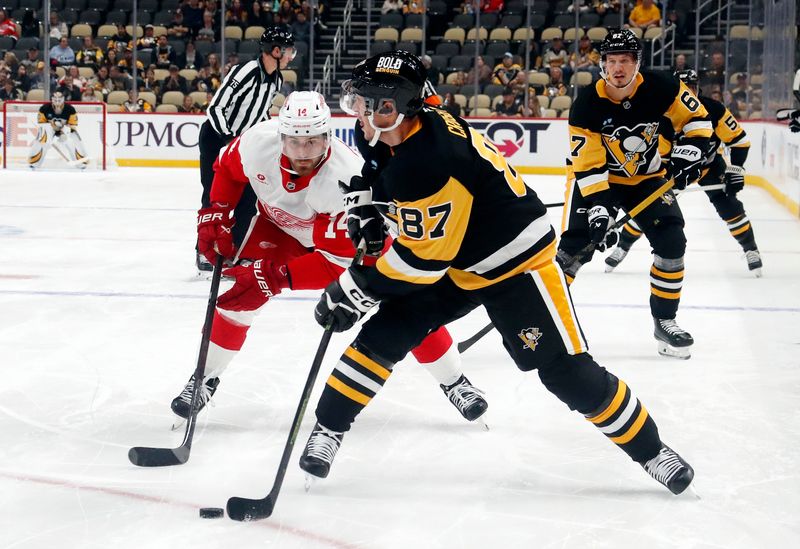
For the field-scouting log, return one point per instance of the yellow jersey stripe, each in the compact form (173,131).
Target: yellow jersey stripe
(628,435)
(560,300)
(367,363)
(613,406)
(739,231)
(665,295)
(349,392)
(664,274)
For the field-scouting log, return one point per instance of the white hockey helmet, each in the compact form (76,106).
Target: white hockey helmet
(303,117)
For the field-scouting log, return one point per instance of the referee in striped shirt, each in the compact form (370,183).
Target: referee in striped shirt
(243,99)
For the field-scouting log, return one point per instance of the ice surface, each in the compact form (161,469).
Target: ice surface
(100,316)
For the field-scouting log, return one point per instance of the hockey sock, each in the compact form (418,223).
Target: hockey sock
(742,231)
(625,421)
(228,332)
(629,234)
(439,357)
(354,382)
(666,281)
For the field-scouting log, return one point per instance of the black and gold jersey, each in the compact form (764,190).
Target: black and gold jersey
(727,131)
(67,116)
(459,209)
(618,141)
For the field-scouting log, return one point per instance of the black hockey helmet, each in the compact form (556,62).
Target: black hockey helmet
(276,36)
(621,41)
(688,77)
(398,76)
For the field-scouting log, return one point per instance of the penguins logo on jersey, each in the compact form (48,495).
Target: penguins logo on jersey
(530,337)
(632,147)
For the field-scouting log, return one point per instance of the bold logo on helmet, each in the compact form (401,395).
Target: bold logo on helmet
(389,64)
(631,148)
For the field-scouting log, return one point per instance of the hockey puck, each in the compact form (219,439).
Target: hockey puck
(211,512)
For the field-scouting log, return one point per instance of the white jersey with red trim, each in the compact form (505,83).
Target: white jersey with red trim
(290,202)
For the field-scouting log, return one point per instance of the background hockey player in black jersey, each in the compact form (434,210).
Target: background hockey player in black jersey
(58,127)
(614,131)
(471,233)
(728,133)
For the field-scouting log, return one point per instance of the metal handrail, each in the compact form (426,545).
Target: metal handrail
(667,40)
(698,21)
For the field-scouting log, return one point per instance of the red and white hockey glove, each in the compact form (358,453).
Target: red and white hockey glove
(255,284)
(214,231)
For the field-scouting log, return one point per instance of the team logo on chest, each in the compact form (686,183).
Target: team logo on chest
(530,337)
(631,148)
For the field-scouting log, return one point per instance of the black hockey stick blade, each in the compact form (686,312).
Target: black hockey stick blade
(467,343)
(554,205)
(246,510)
(143,456)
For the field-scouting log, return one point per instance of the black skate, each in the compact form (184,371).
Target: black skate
(466,398)
(615,258)
(753,258)
(670,469)
(182,403)
(320,450)
(673,341)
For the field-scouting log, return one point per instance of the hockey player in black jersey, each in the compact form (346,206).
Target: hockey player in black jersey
(614,135)
(58,121)
(471,233)
(729,133)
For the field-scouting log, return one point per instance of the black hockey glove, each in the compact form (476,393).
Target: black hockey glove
(601,227)
(686,163)
(734,180)
(365,225)
(793,116)
(344,302)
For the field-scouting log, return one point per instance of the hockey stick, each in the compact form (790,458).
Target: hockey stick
(554,205)
(245,509)
(583,252)
(163,457)
(72,163)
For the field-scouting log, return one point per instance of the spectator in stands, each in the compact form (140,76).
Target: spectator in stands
(731,103)
(556,56)
(69,89)
(449,104)
(201,82)
(208,31)
(120,80)
(29,27)
(79,80)
(556,85)
(645,16)
(22,80)
(236,16)
(492,6)
(533,109)
(214,70)
(259,16)
(519,84)
(285,13)
(192,16)
(414,6)
(506,70)
(740,93)
(121,40)
(147,41)
(31,60)
(163,55)
(9,92)
(680,63)
(189,105)
(89,55)
(323,14)
(301,28)
(534,55)
(392,6)
(177,28)
(607,6)
(126,63)
(191,58)
(102,82)
(61,54)
(583,6)
(111,58)
(137,104)
(39,75)
(434,74)
(209,97)
(509,106)
(586,58)
(175,82)
(715,74)
(481,72)
(150,83)
(11,61)
(88,95)
(57,27)
(233,59)
(468,6)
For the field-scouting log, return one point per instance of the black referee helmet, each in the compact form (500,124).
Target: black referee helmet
(280,37)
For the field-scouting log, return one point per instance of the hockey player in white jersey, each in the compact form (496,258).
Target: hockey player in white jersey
(58,127)
(298,240)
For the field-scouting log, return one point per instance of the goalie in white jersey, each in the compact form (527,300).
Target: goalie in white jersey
(298,240)
(58,127)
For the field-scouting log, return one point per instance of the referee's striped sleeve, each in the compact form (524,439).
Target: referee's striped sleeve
(222,98)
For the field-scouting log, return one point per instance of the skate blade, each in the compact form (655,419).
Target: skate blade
(310,481)
(178,424)
(681,353)
(757,272)
(610,268)
(690,489)
(482,422)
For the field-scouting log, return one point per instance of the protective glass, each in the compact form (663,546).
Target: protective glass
(290,52)
(304,148)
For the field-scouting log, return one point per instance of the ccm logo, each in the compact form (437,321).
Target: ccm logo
(209,217)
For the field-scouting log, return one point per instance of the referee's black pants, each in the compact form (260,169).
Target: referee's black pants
(210,144)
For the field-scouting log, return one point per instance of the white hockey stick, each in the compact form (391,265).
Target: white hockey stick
(697,188)
(71,163)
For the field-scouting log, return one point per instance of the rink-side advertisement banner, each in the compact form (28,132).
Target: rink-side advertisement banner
(533,146)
